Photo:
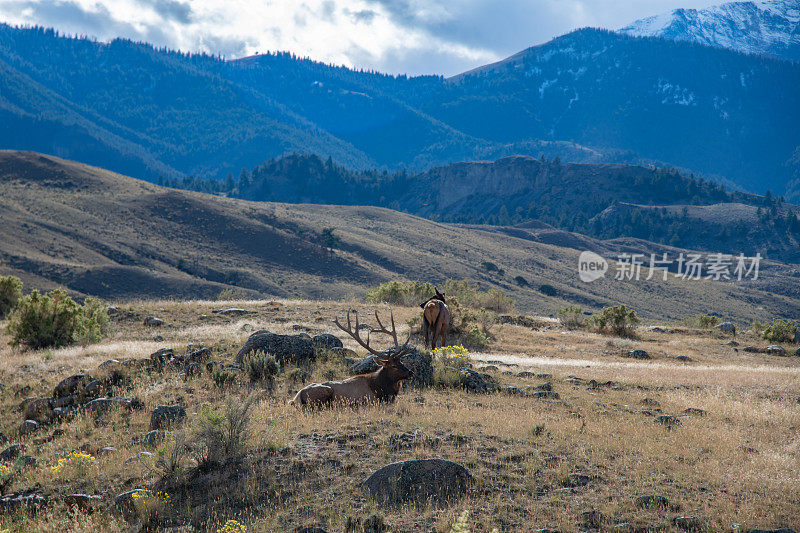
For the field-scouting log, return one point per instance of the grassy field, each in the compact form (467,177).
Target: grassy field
(536,463)
(103,234)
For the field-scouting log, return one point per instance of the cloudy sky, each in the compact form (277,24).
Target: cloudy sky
(397,36)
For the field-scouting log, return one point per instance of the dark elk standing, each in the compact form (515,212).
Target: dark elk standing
(379,386)
(435,319)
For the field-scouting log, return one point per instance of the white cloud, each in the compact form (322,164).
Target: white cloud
(410,36)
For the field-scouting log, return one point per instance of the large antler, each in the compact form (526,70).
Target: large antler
(397,350)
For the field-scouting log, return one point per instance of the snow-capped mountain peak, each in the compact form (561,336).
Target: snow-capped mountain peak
(769,27)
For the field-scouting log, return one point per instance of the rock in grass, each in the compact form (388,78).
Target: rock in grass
(775,349)
(688,523)
(154,437)
(125,504)
(28,426)
(232,311)
(418,481)
(638,354)
(12,452)
(694,411)
(153,321)
(326,341)
(683,358)
(167,415)
(39,409)
(71,385)
(26,501)
(652,500)
(667,420)
(85,502)
(285,348)
(727,327)
(474,381)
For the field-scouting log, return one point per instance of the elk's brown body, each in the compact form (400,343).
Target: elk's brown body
(379,386)
(435,319)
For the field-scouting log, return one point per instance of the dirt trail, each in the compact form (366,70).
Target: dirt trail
(534,361)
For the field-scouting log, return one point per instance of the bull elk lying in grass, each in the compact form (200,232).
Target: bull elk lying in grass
(379,386)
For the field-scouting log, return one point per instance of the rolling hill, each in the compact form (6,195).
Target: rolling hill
(101,233)
(588,96)
(601,200)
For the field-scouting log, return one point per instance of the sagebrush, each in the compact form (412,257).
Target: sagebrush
(10,294)
(55,320)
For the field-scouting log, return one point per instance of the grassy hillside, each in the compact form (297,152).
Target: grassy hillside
(101,233)
(592,458)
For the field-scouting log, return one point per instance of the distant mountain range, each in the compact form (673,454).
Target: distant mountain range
(769,27)
(589,96)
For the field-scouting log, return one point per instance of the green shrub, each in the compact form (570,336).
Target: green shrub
(221,435)
(261,367)
(223,377)
(617,320)
(548,290)
(759,327)
(400,293)
(707,321)
(571,317)
(55,320)
(466,293)
(476,338)
(231,293)
(522,282)
(780,331)
(10,294)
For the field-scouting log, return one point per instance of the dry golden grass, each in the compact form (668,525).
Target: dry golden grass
(735,465)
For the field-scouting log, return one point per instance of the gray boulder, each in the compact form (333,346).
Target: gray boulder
(638,354)
(418,481)
(85,502)
(126,505)
(326,341)
(232,311)
(71,385)
(153,321)
(28,426)
(102,405)
(154,437)
(285,348)
(12,452)
(365,365)
(167,415)
(26,501)
(667,420)
(39,409)
(688,523)
(775,349)
(727,327)
(477,382)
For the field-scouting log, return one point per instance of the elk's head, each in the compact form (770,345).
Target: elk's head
(437,296)
(395,368)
